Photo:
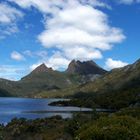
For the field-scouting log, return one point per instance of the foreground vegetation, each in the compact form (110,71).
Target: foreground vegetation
(122,125)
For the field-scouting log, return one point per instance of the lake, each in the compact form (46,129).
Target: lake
(33,108)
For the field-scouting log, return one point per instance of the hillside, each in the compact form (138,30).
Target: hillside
(4,93)
(44,79)
(46,82)
(115,79)
(117,89)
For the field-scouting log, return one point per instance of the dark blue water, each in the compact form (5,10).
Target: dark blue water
(32,109)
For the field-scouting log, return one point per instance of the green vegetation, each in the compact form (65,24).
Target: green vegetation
(61,93)
(102,126)
(130,111)
(115,79)
(62,84)
(4,93)
(110,128)
(116,89)
(43,81)
(112,100)
(39,129)
(127,95)
(38,84)
(122,125)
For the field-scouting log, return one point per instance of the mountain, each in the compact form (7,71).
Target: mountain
(78,74)
(49,77)
(44,79)
(115,79)
(42,68)
(85,68)
(117,89)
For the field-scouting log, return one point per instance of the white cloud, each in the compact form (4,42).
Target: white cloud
(82,53)
(41,54)
(60,61)
(28,53)
(8,17)
(52,6)
(44,6)
(8,14)
(17,56)
(12,72)
(96,3)
(56,61)
(80,27)
(77,28)
(111,64)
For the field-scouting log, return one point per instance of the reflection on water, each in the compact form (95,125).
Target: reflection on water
(32,108)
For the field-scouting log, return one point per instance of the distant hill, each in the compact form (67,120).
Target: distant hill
(46,79)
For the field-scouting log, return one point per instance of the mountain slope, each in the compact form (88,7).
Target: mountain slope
(44,79)
(4,93)
(117,89)
(115,79)
(6,87)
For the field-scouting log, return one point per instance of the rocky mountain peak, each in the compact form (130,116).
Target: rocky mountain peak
(42,68)
(84,68)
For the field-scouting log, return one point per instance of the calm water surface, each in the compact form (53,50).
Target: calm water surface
(32,109)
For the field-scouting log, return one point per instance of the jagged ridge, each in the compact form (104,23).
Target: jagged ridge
(85,68)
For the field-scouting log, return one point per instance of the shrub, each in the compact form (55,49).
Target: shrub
(111,128)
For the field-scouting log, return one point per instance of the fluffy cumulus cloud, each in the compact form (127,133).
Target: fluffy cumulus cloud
(80,25)
(82,53)
(111,64)
(80,28)
(77,28)
(17,56)
(8,18)
(56,61)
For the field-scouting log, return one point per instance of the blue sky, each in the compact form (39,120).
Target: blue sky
(55,32)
